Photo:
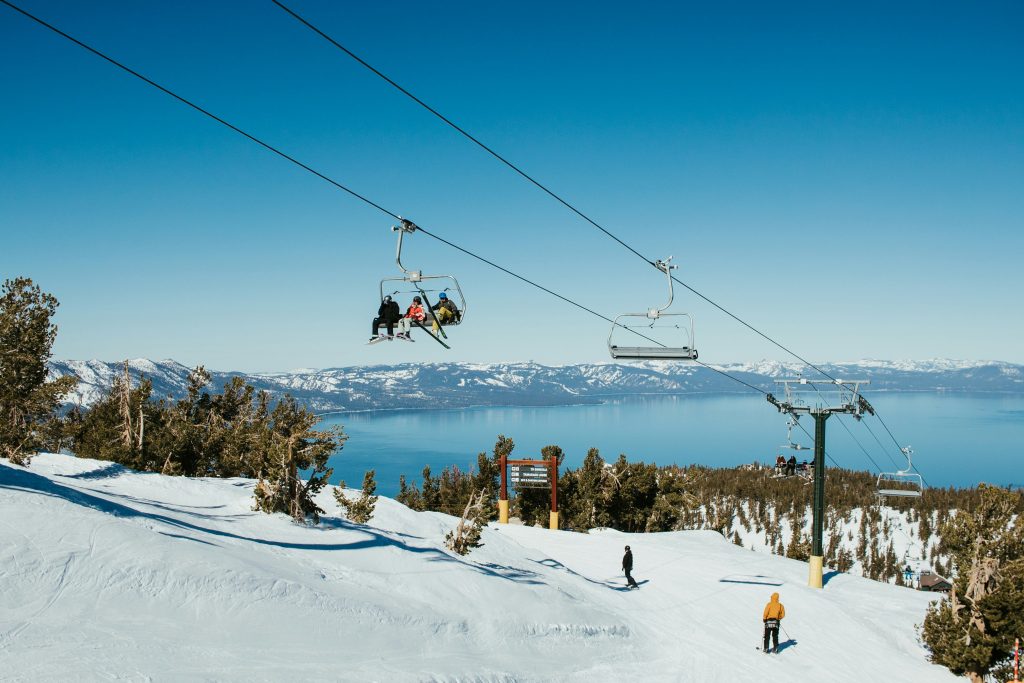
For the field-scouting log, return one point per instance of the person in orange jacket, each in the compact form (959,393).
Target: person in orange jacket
(415,313)
(772,617)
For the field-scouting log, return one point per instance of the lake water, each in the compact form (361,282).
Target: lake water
(958,440)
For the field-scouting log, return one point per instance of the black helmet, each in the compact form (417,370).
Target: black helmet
(627,547)
(387,298)
(417,300)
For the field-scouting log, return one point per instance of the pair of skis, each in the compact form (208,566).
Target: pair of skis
(418,324)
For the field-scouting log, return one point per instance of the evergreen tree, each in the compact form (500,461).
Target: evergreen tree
(294,445)
(487,479)
(584,494)
(409,495)
(430,496)
(360,510)
(27,400)
(973,630)
(124,426)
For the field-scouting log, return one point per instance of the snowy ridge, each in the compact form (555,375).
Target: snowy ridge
(457,385)
(182,580)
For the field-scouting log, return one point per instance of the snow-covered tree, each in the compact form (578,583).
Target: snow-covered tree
(27,399)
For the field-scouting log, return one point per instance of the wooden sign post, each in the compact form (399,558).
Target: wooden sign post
(529,474)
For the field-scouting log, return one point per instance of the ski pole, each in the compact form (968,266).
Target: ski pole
(788,637)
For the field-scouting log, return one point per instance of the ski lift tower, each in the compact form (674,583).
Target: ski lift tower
(849,402)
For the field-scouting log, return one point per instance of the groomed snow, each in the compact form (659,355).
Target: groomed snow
(108,574)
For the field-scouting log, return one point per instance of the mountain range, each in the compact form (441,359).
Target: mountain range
(460,385)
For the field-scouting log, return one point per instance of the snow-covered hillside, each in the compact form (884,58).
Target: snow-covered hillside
(458,385)
(112,574)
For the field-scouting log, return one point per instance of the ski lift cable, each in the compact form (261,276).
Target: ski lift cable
(809,436)
(339,185)
(198,108)
(458,128)
(913,467)
(882,446)
(550,192)
(300,164)
(537,183)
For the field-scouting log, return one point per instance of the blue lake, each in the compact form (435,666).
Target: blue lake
(958,440)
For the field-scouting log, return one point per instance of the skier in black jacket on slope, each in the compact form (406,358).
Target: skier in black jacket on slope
(627,567)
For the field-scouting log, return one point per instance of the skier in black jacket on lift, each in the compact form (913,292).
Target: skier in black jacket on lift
(388,314)
(627,566)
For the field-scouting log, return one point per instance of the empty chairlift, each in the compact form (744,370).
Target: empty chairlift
(903,483)
(628,328)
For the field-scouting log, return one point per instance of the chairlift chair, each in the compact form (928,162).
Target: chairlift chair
(683,329)
(418,282)
(903,483)
(790,444)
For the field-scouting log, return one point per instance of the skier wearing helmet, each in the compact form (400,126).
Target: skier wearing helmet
(388,314)
(445,311)
(627,567)
(414,313)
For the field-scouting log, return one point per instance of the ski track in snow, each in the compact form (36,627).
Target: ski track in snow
(109,574)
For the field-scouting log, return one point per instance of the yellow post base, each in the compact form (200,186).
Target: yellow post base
(554,521)
(814,575)
(502,512)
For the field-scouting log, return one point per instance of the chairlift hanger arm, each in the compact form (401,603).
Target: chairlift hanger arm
(667,268)
(402,228)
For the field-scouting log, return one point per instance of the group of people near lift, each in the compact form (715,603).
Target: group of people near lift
(771,616)
(390,315)
(787,468)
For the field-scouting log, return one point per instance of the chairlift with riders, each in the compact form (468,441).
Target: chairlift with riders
(415,282)
(680,324)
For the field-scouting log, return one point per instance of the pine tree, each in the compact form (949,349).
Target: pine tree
(27,399)
(487,479)
(294,445)
(360,510)
(430,496)
(123,426)
(584,501)
(409,495)
(972,630)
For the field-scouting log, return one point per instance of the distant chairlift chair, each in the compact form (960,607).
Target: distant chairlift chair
(684,352)
(903,483)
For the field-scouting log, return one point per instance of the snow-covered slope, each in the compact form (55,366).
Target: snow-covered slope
(112,574)
(456,385)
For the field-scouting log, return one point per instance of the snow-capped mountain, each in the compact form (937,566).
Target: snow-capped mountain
(457,385)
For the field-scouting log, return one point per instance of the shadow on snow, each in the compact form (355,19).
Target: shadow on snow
(23,480)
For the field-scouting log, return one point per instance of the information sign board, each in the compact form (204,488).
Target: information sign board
(530,476)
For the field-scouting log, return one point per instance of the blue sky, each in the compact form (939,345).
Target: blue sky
(847,179)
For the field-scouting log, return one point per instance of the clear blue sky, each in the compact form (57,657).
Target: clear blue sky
(848,179)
